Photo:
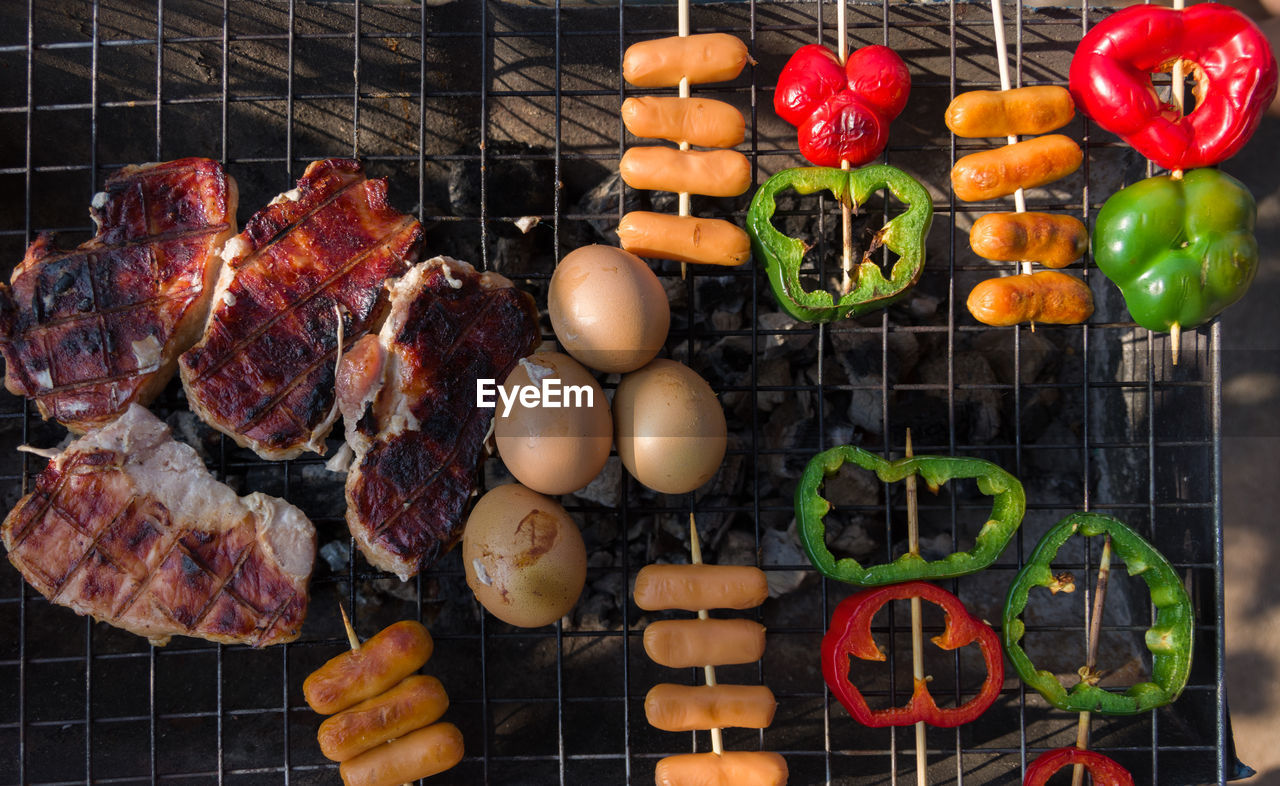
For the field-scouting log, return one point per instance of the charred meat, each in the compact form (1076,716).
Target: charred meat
(88,331)
(408,397)
(128,526)
(312,263)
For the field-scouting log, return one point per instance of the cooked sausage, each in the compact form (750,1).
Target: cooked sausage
(704,122)
(1052,240)
(1026,110)
(661,62)
(421,754)
(670,707)
(1050,297)
(416,702)
(731,768)
(702,241)
(995,173)
(393,654)
(677,644)
(697,587)
(717,173)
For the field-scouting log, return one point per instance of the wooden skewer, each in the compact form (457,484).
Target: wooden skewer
(682,22)
(1175,330)
(1091,659)
(352,638)
(846,212)
(1002,63)
(917,625)
(695,556)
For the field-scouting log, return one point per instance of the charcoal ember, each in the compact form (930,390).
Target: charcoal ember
(848,536)
(601,203)
(189,428)
(606,487)
(775,372)
(738,547)
(594,612)
(520,181)
(922,305)
(780,335)
(863,359)
(977,411)
(1037,358)
(790,423)
(782,547)
(852,486)
(336,555)
(319,492)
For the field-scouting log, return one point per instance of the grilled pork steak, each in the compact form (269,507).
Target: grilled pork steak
(263,372)
(409,401)
(86,332)
(128,526)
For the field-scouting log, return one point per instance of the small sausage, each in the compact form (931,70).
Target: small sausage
(1050,239)
(995,173)
(677,644)
(1050,297)
(670,707)
(421,754)
(731,768)
(417,701)
(1026,110)
(702,241)
(697,587)
(704,122)
(716,173)
(393,654)
(661,62)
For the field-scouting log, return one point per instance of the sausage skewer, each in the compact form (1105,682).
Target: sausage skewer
(695,556)
(1002,63)
(917,625)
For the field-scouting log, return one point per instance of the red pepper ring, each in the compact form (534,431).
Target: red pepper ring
(850,635)
(1235,80)
(1105,771)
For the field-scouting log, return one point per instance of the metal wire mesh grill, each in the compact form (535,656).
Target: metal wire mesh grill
(480,113)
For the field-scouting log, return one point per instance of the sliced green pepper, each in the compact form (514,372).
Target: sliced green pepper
(1007,507)
(904,235)
(1169,639)
(1180,250)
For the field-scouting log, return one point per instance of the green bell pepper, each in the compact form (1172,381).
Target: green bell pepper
(1007,508)
(1181,251)
(1169,639)
(782,255)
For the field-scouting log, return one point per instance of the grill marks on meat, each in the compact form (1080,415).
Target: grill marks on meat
(410,407)
(264,371)
(88,331)
(128,526)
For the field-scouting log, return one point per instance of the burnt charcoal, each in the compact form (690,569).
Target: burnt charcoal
(977,411)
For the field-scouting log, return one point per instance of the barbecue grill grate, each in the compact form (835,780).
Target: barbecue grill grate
(91,86)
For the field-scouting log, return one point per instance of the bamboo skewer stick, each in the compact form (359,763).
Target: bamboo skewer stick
(846,212)
(682,22)
(1002,62)
(695,556)
(352,638)
(917,625)
(1091,659)
(1178,76)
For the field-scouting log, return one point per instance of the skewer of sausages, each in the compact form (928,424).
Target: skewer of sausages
(384,660)
(420,754)
(662,62)
(731,768)
(706,241)
(716,173)
(1053,240)
(671,707)
(704,122)
(1048,296)
(991,174)
(697,587)
(416,702)
(1017,112)
(679,644)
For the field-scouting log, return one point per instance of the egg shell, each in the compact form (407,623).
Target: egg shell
(523,556)
(669,428)
(608,309)
(553,450)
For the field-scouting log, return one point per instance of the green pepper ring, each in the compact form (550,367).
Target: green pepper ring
(1168,639)
(1007,508)
(782,255)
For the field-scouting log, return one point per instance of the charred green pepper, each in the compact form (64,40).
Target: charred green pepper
(1169,639)
(1007,507)
(1181,250)
(904,235)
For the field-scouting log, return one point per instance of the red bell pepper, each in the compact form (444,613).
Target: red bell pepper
(1105,771)
(850,635)
(842,112)
(1229,56)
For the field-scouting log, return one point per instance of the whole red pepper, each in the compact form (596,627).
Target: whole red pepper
(842,112)
(1105,771)
(850,635)
(1230,58)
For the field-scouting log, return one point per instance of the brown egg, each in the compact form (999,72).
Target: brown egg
(523,556)
(668,427)
(608,308)
(558,444)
